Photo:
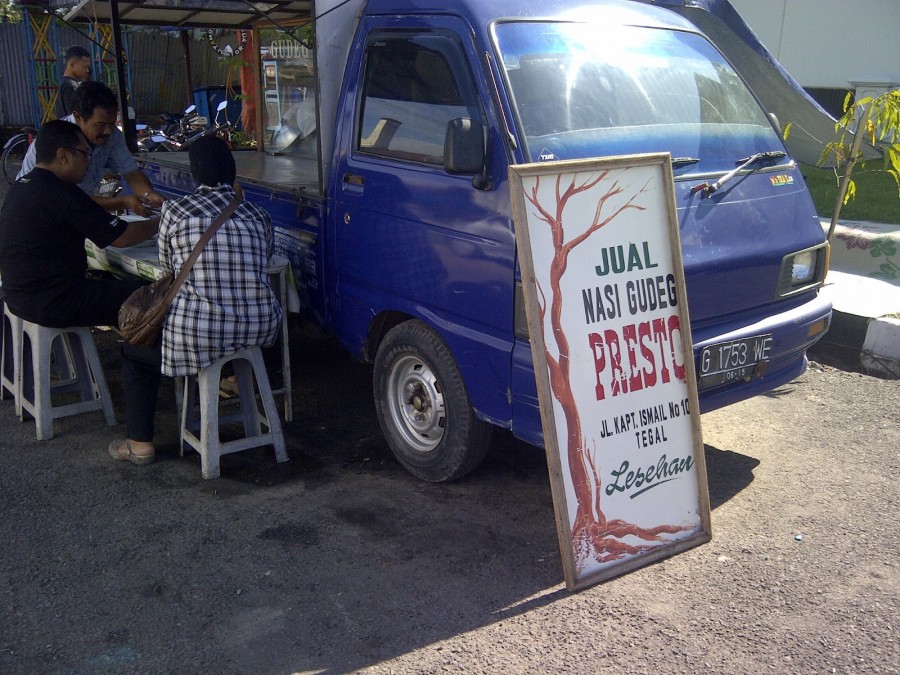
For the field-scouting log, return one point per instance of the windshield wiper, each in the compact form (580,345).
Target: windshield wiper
(678,162)
(742,164)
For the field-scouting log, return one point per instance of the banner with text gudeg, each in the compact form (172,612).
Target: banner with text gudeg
(605,299)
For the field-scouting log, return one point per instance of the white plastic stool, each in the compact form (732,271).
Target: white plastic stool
(33,380)
(248,364)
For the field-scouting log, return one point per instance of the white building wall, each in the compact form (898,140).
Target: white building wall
(830,43)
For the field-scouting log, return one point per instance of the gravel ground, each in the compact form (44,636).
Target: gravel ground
(340,561)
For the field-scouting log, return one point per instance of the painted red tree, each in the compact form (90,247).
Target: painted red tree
(593,535)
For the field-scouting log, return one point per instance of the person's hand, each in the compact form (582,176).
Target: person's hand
(152,198)
(134,204)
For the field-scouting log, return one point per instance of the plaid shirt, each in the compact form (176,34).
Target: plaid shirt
(227,303)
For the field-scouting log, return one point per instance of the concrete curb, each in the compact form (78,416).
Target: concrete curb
(865,329)
(881,347)
(861,344)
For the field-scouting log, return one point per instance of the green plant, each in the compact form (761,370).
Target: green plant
(243,139)
(875,119)
(233,65)
(9,12)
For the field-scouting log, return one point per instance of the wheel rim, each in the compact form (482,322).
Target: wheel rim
(417,403)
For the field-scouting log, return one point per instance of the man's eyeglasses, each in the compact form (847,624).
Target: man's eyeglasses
(86,153)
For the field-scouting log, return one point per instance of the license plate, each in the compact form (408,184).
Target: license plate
(727,362)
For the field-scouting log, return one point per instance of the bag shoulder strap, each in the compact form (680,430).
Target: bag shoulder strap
(204,240)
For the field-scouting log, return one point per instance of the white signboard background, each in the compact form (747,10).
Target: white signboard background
(638,490)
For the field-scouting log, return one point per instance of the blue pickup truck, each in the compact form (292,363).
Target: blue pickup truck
(397,216)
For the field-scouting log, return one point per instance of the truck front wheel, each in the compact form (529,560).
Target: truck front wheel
(423,407)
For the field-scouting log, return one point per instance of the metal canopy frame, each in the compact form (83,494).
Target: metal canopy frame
(186,13)
(227,14)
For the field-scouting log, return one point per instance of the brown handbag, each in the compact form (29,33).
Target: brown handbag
(142,315)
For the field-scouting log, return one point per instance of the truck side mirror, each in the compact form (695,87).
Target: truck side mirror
(464,147)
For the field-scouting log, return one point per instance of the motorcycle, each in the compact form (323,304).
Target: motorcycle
(190,127)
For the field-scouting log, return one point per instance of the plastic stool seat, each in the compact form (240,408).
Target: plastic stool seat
(248,364)
(77,365)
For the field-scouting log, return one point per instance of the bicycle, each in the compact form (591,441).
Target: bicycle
(14,153)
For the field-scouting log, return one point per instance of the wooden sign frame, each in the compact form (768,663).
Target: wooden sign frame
(603,280)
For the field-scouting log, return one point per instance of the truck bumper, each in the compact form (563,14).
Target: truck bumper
(793,331)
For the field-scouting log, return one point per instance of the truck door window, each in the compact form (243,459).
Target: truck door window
(413,86)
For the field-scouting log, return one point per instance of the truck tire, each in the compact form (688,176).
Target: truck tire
(423,407)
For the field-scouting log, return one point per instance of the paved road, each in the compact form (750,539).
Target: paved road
(340,561)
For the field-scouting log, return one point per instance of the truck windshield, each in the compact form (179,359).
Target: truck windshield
(585,90)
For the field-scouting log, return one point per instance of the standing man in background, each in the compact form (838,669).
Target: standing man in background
(78,70)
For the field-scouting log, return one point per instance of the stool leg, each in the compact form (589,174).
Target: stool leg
(9,355)
(273,420)
(70,377)
(243,372)
(82,381)
(285,348)
(181,406)
(210,445)
(19,369)
(94,377)
(278,277)
(188,407)
(7,369)
(286,371)
(12,359)
(43,408)
(63,370)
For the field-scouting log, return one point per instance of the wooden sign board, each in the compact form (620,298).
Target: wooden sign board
(607,314)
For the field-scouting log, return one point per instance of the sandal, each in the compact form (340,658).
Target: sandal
(121,450)
(228,388)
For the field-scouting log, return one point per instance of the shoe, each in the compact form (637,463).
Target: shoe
(121,450)
(228,388)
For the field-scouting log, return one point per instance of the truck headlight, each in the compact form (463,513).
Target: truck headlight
(803,270)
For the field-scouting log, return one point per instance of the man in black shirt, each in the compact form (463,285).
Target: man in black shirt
(43,224)
(78,70)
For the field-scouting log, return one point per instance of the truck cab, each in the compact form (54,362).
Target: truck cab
(420,270)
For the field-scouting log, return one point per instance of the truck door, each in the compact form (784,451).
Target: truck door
(410,239)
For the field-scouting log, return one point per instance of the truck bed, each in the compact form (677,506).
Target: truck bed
(286,186)
(280,173)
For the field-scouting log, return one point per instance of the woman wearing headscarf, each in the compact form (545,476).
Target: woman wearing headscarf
(226,304)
